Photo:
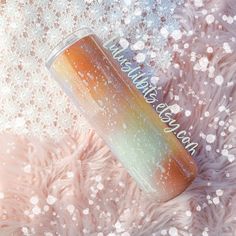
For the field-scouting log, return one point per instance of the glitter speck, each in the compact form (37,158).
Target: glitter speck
(36,210)
(154,80)
(90,202)
(124,43)
(46,208)
(204,233)
(27,169)
(176,34)
(231,128)
(188,213)
(210,138)
(227,48)
(210,19)
(164,232)
(70,208)
(221,108)
(86,211)
(224,18)
(219,192)
(203,63)
(98,178)
(231,158)
(127,2)
(117,225)
(198,3)
(138,12)
(219,79)
(187,113)
(173,231)
(140,57)
(216,200)
(186,45)
(127,20)
(138,45)
(210,50)
(164,32)
(224,152)
(175,108)
(34,200)
(25,230)
(230,20)
(70,174)
(221,123)
(51,200)
(100,186)
(1,195)
(124,126)
(198,208)
(48,234)
(125,234)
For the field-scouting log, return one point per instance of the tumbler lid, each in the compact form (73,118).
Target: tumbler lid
(67,42)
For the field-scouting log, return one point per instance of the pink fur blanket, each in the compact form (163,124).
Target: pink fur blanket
(76,187)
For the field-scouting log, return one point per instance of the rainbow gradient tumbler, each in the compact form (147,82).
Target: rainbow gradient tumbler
(118,112)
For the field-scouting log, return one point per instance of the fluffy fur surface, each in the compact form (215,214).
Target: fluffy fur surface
(77,187)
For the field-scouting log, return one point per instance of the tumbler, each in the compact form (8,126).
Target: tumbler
(119,114)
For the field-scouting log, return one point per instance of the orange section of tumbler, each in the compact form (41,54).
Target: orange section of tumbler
(121,116)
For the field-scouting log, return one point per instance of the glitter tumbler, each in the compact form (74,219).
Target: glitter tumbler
(118,112)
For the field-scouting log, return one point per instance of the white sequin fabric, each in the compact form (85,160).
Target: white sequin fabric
(31,102)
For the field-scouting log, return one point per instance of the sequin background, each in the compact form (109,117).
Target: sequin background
(29,30)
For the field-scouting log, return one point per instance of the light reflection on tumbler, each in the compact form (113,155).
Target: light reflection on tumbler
(121,116)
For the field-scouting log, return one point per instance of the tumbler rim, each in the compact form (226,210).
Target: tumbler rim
(67,42)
